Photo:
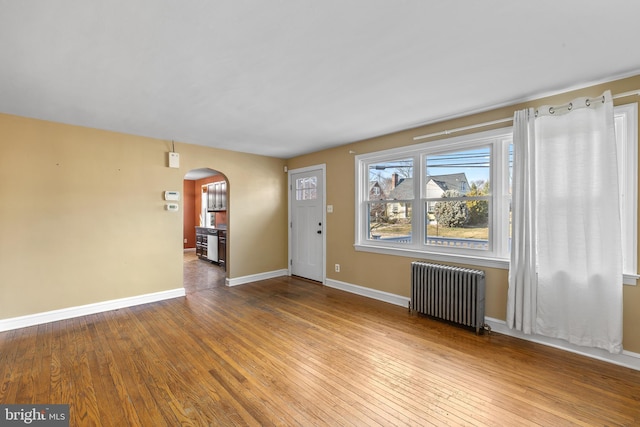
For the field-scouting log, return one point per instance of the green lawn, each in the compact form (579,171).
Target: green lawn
(481,233)
(390,230)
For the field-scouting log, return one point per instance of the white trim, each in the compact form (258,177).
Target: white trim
(256,277)
(502,264)
(630,279)
(627,142)
(369,293)
(626,94)
(627,359)
(322,167)
(83,310)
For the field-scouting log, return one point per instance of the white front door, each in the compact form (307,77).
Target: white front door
(307,223)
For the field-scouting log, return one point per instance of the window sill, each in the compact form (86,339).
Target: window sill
(436,256)
(503,264)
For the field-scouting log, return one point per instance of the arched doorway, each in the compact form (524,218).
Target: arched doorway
(205,231)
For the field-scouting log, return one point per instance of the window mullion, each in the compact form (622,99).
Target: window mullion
(495,208)
(417,219)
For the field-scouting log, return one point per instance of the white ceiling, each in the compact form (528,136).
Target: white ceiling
(200,173)
(287,77)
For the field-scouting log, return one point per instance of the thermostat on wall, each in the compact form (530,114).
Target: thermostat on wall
(172,206)
(172,195)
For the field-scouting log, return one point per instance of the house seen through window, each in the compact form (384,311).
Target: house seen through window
(458,201)
(390,200)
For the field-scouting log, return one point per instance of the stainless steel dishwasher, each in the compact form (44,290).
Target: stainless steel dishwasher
(212,245)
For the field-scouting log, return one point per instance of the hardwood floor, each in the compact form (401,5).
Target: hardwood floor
(288,352)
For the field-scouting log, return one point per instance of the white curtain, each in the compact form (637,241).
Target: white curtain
(521,309)
(572,229)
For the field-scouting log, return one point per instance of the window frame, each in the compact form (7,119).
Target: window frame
(628,163)
(495,256)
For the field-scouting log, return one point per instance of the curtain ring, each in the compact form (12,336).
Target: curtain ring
(587,102)
(570,106)
(551,110)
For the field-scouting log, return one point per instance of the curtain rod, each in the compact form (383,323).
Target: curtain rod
(505,120)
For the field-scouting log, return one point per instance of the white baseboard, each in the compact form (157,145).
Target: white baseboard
(255,277)
(368,292)
(83,310)
(627,359)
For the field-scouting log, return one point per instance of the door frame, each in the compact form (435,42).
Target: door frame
(323,168)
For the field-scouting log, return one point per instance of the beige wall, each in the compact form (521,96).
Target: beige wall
(82,216)
(392,273)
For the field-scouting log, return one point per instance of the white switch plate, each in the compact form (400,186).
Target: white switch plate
(172,207)
(329,208)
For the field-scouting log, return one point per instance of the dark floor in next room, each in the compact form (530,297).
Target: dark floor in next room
(201,274)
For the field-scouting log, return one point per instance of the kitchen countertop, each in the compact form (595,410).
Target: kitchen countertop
(210,230)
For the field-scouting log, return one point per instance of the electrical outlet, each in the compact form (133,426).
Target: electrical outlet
(337,268)
(185,240)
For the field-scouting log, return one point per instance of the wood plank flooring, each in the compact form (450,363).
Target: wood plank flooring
(286,352)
